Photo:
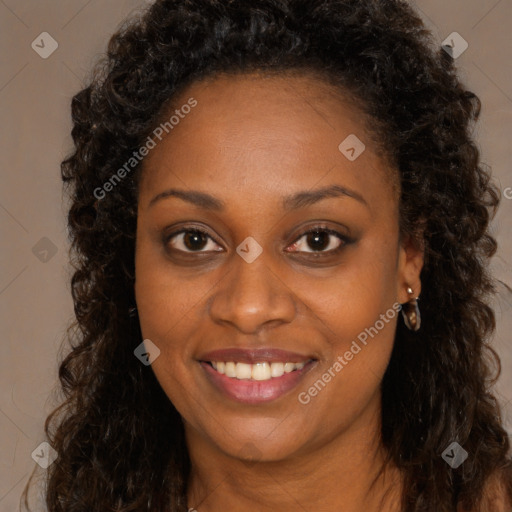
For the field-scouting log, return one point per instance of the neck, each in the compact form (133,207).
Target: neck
(346,473)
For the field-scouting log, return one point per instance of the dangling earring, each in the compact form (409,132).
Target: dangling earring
(132,312)
(411,312)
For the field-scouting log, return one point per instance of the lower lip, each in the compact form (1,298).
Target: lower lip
(255,391)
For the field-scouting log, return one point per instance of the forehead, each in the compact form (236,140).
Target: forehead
(265,134)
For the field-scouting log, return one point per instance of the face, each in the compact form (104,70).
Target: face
(269,337)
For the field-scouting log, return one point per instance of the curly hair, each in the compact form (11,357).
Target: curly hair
(119,438)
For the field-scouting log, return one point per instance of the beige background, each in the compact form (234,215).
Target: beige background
(35,95)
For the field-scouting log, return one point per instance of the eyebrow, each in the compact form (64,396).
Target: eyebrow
(291,202)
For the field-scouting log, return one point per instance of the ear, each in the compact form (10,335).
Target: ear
(410,262)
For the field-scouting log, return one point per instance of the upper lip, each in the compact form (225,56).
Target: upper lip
(255,355)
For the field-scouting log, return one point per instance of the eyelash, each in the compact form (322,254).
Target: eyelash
(315,229)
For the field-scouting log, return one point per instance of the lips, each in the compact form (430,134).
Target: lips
(257,355)
(255,375)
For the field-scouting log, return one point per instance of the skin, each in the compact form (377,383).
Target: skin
(249,142)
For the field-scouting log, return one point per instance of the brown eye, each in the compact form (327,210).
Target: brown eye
(320,240)
(191,240)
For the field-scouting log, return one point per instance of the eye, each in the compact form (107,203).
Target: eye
(320,239)
(190,240)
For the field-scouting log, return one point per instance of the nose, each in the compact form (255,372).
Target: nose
(252,297)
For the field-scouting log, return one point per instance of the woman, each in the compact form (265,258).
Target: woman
(261,192)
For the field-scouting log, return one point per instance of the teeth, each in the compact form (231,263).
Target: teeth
(243,371)
(289,367)
(229,369)
(276,369)
(260,371)
(256,371)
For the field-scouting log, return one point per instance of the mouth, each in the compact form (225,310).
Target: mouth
(255,376)
(258,371)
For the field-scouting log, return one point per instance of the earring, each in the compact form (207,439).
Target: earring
(132,312)
(411,312)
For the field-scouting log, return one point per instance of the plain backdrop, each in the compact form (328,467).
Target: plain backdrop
(35,124)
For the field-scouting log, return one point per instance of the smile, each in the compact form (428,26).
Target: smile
(260,371)
(255,376)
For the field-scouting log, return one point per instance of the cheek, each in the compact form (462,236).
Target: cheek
(163,314)
(354,296)
(357,311)
(360,333)
(162,308)
(166,297)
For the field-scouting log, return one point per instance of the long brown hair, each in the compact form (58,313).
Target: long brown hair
(120,441)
